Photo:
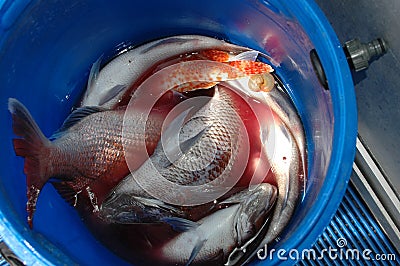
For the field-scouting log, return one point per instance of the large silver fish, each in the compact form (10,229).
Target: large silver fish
(285,164)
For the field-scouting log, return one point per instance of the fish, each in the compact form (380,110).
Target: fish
(211,240)
(288,159)
(279,102)
(221,125)
(286,166)
(89,147)
(97,157)
(214,150)
(108,85)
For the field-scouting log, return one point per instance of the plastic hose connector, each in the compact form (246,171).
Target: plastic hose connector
(359,54)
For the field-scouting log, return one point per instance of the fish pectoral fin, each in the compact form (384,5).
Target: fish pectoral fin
(196,250)
(115,91)
(93,75)
(75,117)
(187,144)
(66,191)
(180,224)
(155,203)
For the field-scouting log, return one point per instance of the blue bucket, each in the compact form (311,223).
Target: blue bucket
(46,51)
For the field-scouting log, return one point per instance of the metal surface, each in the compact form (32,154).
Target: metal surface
(377,193)
(377,91)
(352,238)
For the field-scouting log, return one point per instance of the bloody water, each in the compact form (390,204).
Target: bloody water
(140,243)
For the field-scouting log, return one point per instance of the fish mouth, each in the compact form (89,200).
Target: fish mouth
(108,209)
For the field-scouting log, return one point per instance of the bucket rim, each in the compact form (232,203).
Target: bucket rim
(343,147)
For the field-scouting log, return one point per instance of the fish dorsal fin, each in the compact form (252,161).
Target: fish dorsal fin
(75,117)
(115,91)
(195,251)
(93,75)
(247,55)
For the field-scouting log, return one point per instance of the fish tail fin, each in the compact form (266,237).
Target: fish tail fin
(33,146)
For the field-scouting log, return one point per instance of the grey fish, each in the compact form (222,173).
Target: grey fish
(211,240)
(283,107)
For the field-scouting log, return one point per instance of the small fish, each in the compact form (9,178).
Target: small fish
(212,239)
(107,86)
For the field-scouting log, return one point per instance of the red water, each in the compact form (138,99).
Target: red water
(139,243)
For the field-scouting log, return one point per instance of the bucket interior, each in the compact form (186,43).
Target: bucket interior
(48,47)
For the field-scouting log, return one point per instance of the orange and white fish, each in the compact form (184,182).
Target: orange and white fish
(108,86)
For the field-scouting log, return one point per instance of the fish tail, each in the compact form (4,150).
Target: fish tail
(33,146)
